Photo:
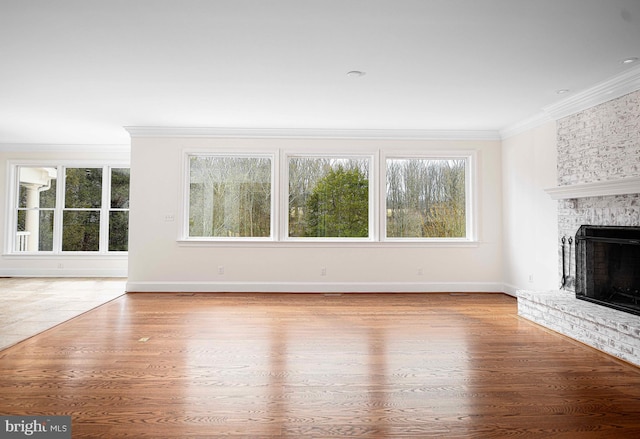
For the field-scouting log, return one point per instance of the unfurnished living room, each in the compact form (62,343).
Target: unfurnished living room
(320,218)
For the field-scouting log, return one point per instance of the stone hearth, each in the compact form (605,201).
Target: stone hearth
(615,332)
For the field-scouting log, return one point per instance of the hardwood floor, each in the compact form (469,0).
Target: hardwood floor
(310,365)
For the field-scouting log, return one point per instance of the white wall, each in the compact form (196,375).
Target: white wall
(158,262)
(55,265)
(530,229)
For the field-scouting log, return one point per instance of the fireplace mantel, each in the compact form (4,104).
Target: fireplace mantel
(622,186)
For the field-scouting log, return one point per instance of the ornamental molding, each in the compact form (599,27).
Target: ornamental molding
(612,88)
(56,148)
(615,87)
(302,133)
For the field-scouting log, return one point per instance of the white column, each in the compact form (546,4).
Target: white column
(32,217)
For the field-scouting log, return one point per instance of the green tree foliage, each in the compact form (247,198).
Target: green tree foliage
(304,174)
(119,219)
(338,205)
(119,231)
(83,188)
(120,188)
(81,228)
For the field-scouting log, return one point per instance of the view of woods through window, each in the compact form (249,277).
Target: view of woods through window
(82,202)
(426,198)
(119,210)
(327,197)
(229,196)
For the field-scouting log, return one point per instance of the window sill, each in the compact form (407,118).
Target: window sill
(328,244)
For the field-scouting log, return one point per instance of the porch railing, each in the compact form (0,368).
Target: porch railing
(22,241)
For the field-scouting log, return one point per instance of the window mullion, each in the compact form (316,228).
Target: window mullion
(283,208)
(276,198)
(104,210)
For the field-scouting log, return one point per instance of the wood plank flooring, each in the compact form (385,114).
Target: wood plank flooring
(310,365)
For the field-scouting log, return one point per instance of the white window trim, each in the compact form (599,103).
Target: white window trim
(373,195)
(377,200)
(12,200)
(471,183)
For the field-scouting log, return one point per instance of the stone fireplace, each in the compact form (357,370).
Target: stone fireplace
(598,197)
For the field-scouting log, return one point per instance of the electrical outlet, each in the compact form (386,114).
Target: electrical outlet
(323,271)
(220,269)
(531,278)
(420,272)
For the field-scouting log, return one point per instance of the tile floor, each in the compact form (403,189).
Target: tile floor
(29,306)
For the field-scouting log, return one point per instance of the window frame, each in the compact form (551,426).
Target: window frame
(470,158)
(11,217)
(372,158)
(377,197)
(59,225)
(110,209)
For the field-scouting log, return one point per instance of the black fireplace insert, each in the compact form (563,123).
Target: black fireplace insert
(608,266)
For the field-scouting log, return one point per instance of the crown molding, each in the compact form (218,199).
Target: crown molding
(622,186)
(53,147)
(302,133)
(612,88)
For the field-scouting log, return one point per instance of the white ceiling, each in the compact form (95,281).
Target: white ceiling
(79,71)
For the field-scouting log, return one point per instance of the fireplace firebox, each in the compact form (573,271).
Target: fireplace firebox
(608,266)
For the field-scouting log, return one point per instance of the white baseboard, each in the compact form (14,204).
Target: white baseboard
(312,287)
(72,272)
(510,289)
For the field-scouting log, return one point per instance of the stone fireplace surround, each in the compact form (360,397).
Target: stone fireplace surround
(598,184)
(609,330)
